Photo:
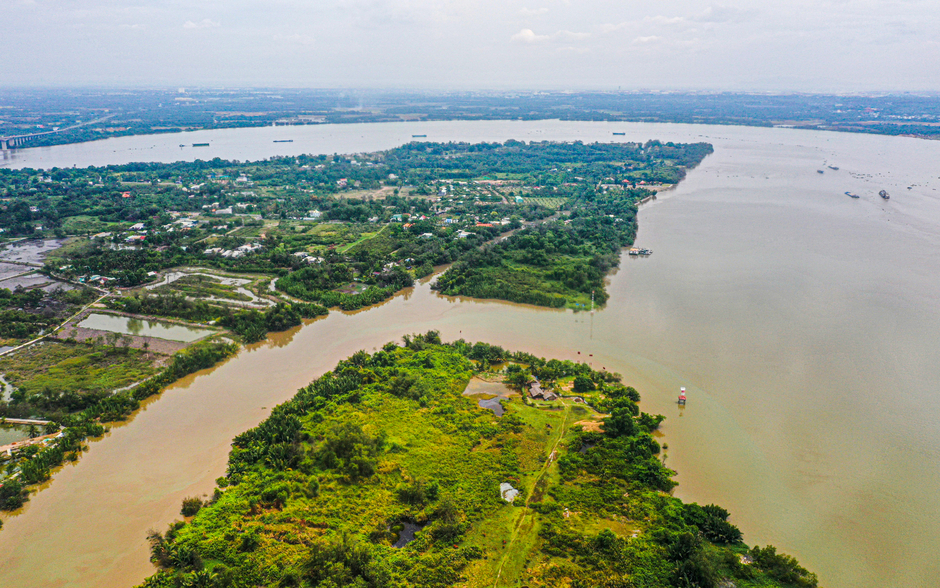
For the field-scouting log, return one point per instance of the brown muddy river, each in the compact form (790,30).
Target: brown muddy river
(802,323)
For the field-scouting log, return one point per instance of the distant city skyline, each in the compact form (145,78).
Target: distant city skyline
(791,46)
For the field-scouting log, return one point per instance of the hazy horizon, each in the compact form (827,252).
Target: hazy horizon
(797,46)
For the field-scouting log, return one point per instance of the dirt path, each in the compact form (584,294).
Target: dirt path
(525,510)
(55,330)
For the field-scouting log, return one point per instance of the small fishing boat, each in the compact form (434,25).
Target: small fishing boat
(851,194)
(884,194)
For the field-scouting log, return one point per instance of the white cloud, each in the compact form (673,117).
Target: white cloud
(528,36)
(646,40)
(570,36)
(202,24)
(306,40)
(720,14)
(533,11)
(664,20)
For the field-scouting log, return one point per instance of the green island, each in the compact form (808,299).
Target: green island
(394,469)
(224,252)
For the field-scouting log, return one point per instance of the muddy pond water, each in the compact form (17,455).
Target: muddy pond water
(13,433)
(144,328)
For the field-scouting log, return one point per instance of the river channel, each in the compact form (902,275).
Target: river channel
(803,324)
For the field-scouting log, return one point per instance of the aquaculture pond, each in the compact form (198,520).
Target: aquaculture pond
(13,433)
(142,328)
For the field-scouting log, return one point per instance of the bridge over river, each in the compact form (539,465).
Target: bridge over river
(14,141)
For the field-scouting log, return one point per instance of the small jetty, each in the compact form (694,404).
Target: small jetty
(884,194)
(681,397)
(851,194)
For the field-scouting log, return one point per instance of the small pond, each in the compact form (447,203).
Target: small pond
(492,404)
(142,328)
(478,386)
(13,433)
(407,534)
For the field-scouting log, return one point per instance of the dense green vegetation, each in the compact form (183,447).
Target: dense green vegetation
(563,263)
(253,325)
(26,313)
(327,490)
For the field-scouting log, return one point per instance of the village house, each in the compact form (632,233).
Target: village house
(536,391)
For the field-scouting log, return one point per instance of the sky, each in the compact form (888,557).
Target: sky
(746,45)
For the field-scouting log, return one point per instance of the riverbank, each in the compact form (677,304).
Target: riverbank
(790,312)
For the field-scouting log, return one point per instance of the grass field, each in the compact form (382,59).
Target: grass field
(201,286)
(79,369)
(552,203)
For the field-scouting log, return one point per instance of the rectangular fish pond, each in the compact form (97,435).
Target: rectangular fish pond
(142,328)
(13,433)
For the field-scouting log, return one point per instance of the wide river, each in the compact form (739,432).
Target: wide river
(803,323)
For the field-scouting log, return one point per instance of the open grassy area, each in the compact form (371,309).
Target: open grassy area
(51,374)
(552,203)
(202,286)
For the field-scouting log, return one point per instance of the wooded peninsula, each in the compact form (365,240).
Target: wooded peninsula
(390,471)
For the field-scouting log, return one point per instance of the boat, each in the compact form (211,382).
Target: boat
(283,140)
(620,133)
(638,251)
(418,136)
(852,194)
(884,194)
(181,145)
(200,144)
(833,167)
(819,171)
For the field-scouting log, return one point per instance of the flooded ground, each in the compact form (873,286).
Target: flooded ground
(237,284)
(34,280)
(9,270)
(144,328)
(802,323)
(32,251)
